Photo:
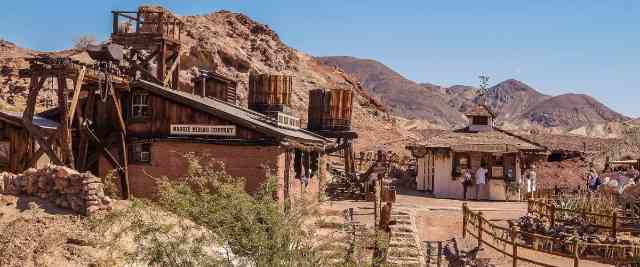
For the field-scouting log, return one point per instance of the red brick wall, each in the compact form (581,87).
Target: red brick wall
(167,159)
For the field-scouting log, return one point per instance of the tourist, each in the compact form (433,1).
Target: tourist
(531,179)
(481,179)
(593,181)
(466,181)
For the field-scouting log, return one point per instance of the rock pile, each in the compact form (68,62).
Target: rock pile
(67,188)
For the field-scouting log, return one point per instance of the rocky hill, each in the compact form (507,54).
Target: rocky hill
(518,105)
(405,97)
(233,45)
(572,111)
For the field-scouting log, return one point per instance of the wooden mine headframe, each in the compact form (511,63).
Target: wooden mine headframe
(151,34)
(99,85)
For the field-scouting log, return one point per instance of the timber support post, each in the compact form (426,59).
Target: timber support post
(552,215)
(514,245)
(480,219)
(464,220)
(576,253)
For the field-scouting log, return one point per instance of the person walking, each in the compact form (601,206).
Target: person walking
(531,180)
(466,182)
(481,179)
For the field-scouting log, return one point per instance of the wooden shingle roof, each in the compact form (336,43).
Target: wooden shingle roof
(488,140)
(236,114)
(480,110)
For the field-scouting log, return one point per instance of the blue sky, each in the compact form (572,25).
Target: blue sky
(557,47)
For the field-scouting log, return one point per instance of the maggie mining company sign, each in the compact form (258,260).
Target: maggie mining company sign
(215,130)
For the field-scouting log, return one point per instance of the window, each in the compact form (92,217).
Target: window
(141,153)
(480,120)
(140,107)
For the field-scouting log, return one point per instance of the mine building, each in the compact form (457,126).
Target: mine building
(506,156)
(164,125)
(116,116)
(18,150)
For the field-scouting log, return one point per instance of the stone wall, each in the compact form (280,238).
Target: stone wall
(66,188)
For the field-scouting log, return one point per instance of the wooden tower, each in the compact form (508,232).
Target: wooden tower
(87,93)
(152,36)
(330,116)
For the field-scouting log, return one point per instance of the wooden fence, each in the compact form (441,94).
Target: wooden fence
(498,237)
(614,223)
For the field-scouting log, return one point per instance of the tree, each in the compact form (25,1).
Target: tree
(84,41)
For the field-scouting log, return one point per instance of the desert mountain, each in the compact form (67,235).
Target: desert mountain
(405,97)
(511,98)
(572,111)
(517,104)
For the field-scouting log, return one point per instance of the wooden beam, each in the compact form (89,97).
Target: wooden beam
(176,61)
(76,94)
(83,148)
(36,84)
(112,159)
(65,130)
(146,73)
(38,154)
(124,172)
(161,62)
(118,108)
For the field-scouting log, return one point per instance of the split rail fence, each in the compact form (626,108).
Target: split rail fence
(614,223)
(499,237)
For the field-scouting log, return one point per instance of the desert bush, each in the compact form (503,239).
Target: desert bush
(206,218)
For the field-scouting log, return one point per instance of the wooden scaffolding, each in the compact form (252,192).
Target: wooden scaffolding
(153,36)
(100,87)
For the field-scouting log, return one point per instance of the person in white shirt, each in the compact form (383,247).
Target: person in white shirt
(531,179)
(481,180)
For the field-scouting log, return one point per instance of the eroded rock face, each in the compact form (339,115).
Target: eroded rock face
(65,187)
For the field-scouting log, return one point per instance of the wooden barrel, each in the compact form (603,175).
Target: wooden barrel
(270,92)
(330,109)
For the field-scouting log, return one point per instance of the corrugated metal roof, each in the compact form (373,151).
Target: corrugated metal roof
(237,114)
(16,117)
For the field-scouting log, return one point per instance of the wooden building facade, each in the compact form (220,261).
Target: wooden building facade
(165,125)
(442,159)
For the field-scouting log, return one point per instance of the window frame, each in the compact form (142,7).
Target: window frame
(138,150)
(142,101)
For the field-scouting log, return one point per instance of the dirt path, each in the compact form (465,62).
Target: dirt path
(441,219)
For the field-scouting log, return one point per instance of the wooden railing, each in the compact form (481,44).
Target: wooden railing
(614,223)
(498,237)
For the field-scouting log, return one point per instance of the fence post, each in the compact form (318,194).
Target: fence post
(439,253)
(552,216)
(480,219)
(576,253)
(514,245)
(614,227)
(464,220)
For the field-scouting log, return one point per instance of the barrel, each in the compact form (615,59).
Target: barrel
(330,110)
(269,93)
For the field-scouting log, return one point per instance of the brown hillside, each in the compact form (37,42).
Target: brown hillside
(233,44)
(572,111)
(407,98)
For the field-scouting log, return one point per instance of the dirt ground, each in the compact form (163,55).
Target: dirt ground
(441,219)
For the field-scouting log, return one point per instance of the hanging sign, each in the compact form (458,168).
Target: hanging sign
(215,130)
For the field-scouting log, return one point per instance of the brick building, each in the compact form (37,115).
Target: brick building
(164,124)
